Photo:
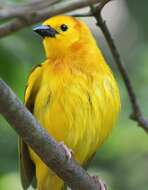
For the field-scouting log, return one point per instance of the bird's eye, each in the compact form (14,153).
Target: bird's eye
(64,27)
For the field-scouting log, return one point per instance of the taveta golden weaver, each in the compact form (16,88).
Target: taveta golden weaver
(73,95)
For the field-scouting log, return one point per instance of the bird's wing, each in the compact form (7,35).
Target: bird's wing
(87,163)
(27,167)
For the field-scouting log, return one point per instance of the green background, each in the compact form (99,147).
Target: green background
(122,160)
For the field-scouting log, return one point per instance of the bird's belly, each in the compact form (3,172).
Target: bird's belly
(77,116)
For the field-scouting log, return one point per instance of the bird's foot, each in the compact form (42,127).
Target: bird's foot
(100,182)
(68,151)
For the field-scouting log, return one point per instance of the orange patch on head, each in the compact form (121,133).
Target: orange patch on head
(76,46)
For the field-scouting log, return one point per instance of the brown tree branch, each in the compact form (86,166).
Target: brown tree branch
(18,10)
(44,145)
(32,17)
(137,113)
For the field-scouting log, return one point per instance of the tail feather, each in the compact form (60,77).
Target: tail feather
(52,182)
(47,179)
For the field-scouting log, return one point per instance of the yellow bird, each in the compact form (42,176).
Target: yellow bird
(73,95)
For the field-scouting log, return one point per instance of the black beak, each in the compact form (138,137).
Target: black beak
(45,31)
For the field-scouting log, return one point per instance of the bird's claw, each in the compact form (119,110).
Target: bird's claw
(99,182)
(68,151)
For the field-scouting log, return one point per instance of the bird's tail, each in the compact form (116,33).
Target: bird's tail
(51,183)
(48,180)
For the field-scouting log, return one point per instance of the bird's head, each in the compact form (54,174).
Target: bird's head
(62,34)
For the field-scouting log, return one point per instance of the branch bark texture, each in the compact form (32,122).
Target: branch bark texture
(45,146)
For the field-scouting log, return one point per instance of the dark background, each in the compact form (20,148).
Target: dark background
(122,160)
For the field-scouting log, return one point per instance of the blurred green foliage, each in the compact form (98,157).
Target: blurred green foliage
(122,160)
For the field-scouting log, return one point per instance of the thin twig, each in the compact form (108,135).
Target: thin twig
(40,3)
(87,14)
(44,145)
(137,113)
